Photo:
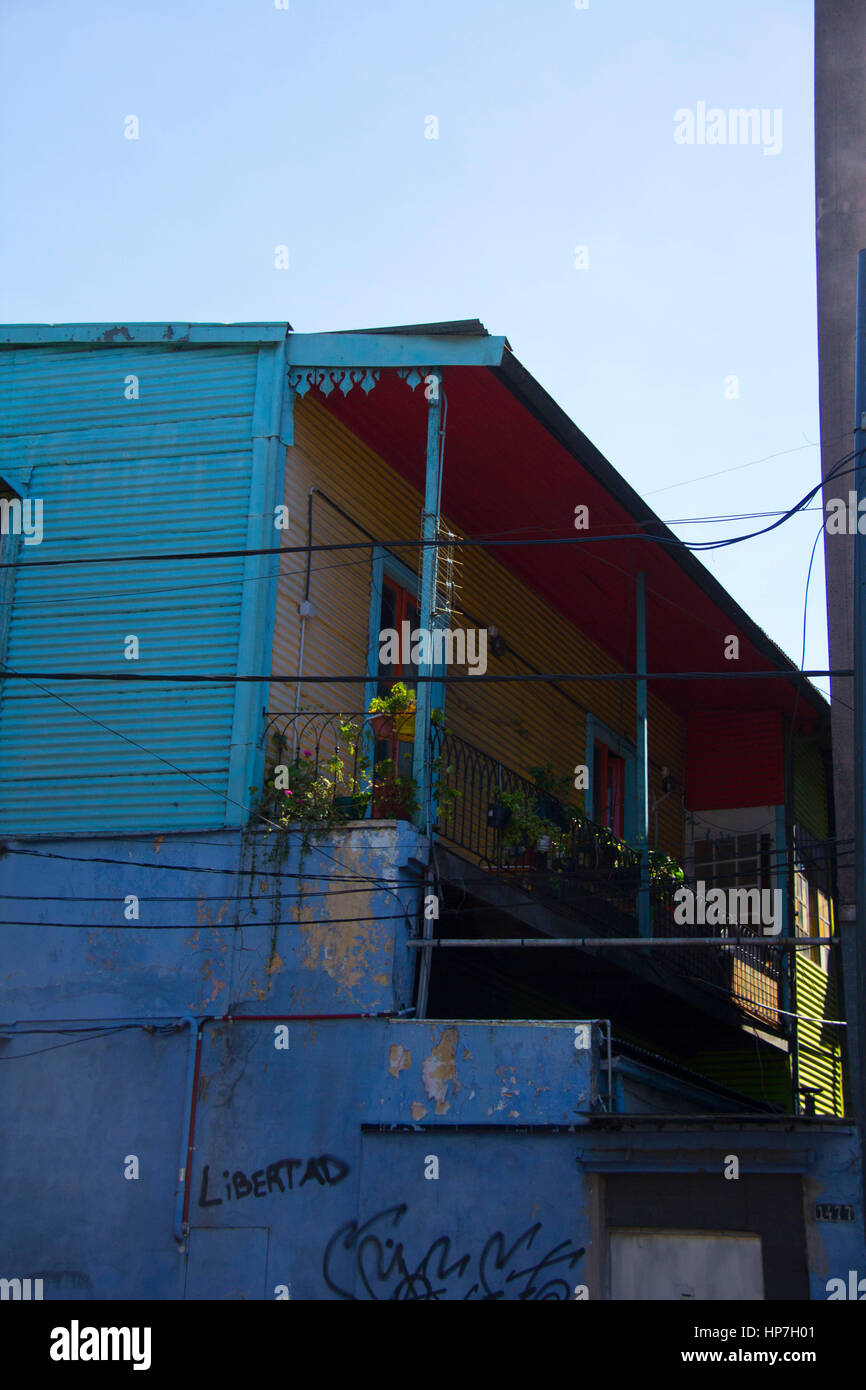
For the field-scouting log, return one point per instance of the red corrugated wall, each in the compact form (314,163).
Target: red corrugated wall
(734,759)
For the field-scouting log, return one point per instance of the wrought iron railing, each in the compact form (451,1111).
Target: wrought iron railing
(584,868)
(584,871)
(750,975)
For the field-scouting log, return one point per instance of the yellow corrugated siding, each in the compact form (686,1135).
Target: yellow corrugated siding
(818,1044)
(765,1078)
(810,788)
(521,724)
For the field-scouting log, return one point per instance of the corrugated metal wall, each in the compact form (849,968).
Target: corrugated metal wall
(810,788)
(819,1051)
(168,471)
(521,724)
(754,1071)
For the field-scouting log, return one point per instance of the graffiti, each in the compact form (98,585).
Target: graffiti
(368,1262)
(326,1170)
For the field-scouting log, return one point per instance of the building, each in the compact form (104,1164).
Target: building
(280,990)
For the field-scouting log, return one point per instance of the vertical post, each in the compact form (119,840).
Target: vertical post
(642,769)
(852,944)
(421,754)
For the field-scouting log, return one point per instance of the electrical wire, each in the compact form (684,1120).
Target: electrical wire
(465,542)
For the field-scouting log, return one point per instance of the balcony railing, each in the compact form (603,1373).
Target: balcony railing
(584,870)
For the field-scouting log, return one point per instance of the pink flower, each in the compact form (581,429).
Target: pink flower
(307,753)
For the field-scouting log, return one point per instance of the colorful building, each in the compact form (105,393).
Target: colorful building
(494,994)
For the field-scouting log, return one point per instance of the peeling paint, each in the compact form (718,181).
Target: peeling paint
(418,1110)
(399,1059)
(342,950)
(440,1070)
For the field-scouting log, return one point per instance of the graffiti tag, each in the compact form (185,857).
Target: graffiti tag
(368,1262)
(326,1170)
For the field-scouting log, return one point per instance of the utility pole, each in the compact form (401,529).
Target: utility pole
(840,228)
(855,981)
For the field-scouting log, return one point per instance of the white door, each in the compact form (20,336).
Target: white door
(652,1264)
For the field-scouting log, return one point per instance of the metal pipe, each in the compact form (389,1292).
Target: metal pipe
(603,943)
(304,615)
(421,761)
(181,1194)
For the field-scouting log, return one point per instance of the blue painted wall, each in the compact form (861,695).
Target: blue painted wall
(309,1159)
(138,449)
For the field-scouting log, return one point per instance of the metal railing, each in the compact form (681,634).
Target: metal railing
(584,871)
(591,874)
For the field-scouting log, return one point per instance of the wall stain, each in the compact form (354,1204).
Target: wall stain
(341,950)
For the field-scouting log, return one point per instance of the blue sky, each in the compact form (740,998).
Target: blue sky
(305,127)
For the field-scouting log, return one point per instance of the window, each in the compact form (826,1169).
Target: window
(813,915)
(735,861)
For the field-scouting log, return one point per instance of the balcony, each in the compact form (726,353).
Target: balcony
(576,868)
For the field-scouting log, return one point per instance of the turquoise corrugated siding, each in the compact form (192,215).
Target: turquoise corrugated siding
(170,471)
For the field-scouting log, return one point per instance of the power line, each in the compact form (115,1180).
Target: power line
(417,544)
(272,678)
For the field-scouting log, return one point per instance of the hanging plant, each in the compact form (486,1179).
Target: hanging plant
(394,713)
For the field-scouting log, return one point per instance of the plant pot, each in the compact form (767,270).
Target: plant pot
(404,725)
(391,804)
(548,808)
(385,726)
(382,726)
(498,816)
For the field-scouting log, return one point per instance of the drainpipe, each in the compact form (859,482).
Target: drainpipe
(642,768)
(421,769)
(305,609)
(181,1192)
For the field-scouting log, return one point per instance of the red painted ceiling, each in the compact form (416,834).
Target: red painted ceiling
(507,476)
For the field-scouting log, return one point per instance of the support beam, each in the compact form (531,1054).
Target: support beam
(421,759)
(642,760)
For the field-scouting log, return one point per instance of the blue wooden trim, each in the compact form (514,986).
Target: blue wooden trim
(386,563)
(259,589)
(393,350)
(124,334)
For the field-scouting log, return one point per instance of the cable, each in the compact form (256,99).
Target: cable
(101,1033)
(416,544)
(272,678)
(702,477)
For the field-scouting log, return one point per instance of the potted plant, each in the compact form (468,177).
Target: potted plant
(352,804)
(394,797)
(393,713)
(498,815)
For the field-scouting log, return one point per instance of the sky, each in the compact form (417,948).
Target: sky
(527,164)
